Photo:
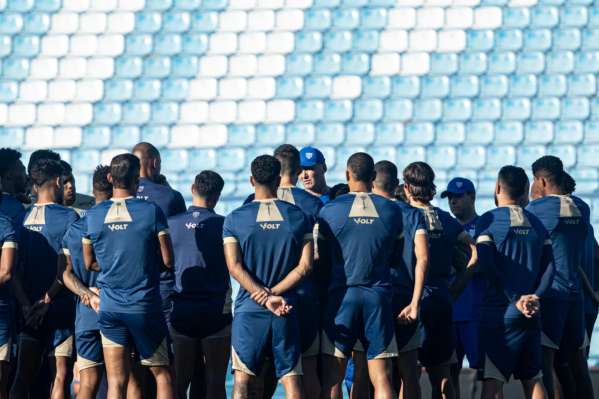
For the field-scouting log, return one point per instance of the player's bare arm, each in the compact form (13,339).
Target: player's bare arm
(89,258)
(234,261)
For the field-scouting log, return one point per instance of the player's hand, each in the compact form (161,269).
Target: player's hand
(95,290)
(260,296)
(408,315)
(37,313)
(94,303)
(528,305)
(278,305)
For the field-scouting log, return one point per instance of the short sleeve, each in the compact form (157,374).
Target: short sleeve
(229,235)
(8,237)
(161,227)
(482,231)
(323,228)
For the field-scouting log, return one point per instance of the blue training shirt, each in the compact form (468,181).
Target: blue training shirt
(402,271)
(12,208)
(588,266)
(124,233)
(171,203)
(201,273)
(271,234)
(8,239)
(566,218)
(86,318)
(443,234)
(515,256)
(40,242)
(362,231)
(467,306)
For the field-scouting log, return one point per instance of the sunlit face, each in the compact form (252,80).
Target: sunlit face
(312,177)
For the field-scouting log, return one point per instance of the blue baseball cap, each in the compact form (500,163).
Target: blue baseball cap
(458,185)
(310,156)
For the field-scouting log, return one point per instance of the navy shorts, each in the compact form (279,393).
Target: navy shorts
(436,321)
(88,344)
(467,342)
(257,335)
(147,333)
(407,336)
(563,323)
(511,348)
(195,320)
(360,313)
(309,314)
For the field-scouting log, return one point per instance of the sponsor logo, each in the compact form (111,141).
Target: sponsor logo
(270,226)
(191,226)
(521,232)
(363,220)
(35,228)
(143,197)
(571,221)
(118,227)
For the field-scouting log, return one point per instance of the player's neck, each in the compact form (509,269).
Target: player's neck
(45,197)
(120,193)
(200,202)
(383,194)
(288,181)
(359,186)
(504,201)
(419,204)
(264,193)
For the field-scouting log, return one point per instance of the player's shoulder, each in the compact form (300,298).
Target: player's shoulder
(306,198)
(543,204)
(5,222)
(580,203)
(340,203)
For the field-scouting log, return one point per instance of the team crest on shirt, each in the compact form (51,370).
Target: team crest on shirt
(195,214)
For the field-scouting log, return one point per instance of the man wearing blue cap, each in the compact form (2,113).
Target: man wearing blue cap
(461,197)
(314,168)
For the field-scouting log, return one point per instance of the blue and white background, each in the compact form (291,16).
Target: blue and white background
(466,85)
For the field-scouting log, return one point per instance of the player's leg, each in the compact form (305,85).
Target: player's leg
(577,362)
(492,389)
(440,378)
(553,317)
(573,342)
(333,371)
(29,353)
(529,365)
(534,389)
(216,352)
(309,315)
(164,382)
(116,349)
(407,367)
(293,386)
(136,377)
(89,382)
(548,370)
(241,385)
(379,371)
(60,361)
(360,383)
(89,362)
(185,351)
(310,380)
(565,384)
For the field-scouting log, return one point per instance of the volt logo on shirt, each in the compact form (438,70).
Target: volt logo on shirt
(35,228)
(118,227)
(270,226)
(143,197)
(363,220)
(191,226)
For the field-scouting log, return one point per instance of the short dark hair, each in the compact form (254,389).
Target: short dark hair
(147,150)
(289,158)
(420,178)
(100,180)
(361,167)
(550,167)
(124,169)
(41,154)
(45,170)
(266,169)
(513,179)
(386,176)
(338,190)
(400,194)
(8,158)
(67,170)
(208,184)
(568,185)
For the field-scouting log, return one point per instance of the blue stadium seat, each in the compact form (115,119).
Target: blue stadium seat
(355,63)
(376,86)
(450,133)
(36,23)
(167,44)
(298,64)
(329,134)
(327,64)
(317,87)
(309,110)
(567,153)
(289,87)
(159,5)
(241,135)
(273,134)
(568,132)
(107,113)
(214,4)
(368,110)
(15,68)
(186,4)
(20,5)
(586,62)
(419,133)
(408,154)
(434,86)
(383,153)
(464,86)
(398,110)
(516,17)
(346,18)
(85,160)
(589,39)
(158,135)
(164,113)
(500,155)
(195,43)
(443,63)
(176,22)
(566,39)
(118,89)
(479,132)
(337,110)
(317,19)
(5,45)
(125,136)
(509,39)
(441,156)
(530,62)
(588,155)
(174,89)
(128,67)
(373,18)
(94,137)
(389,134)
(544,17)
(308,42)
(503,62)
(184,66)
(10,23)
(457,109)
(136,113)
(148,21)
(337,41)
(405,86)
(26,45)
(537,39)
(560,62)
(204,21)
(471,156)
(591,132)
(582,85)
(486,109)
(146,89)
(553,85)
(138,44)
(365,40)
(156,67)
(480,40)
(575,108)
(472,63)
(230,159)
(359,134)
(523,85)
(540,132)
(300,133)
(494,86)
(174,160)
(9,91)
(574,16)
(545,108)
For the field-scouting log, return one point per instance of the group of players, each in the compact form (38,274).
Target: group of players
(367,273)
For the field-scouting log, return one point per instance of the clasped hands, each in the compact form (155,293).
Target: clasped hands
(275,303)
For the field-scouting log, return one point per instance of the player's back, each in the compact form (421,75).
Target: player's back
(404,261)
(443,234)
(271,234)
(200,268)
(86,318)
(361,230)
(168,200)
(41,241)
(124,234)
(566,218)
(519,238)
(12,208)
